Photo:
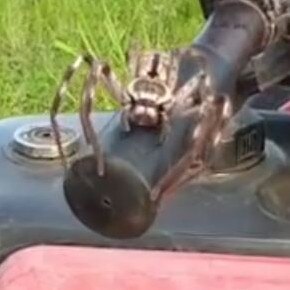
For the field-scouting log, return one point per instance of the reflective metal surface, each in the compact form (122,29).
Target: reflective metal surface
(36,141)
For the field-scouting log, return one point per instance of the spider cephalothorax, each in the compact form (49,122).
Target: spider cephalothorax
(148,100)
(149,97)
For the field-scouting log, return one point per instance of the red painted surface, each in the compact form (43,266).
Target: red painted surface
(64,268)
(285,108)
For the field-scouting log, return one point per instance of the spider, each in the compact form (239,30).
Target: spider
(148,100)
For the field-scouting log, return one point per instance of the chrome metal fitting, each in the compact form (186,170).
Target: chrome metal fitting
(36,141)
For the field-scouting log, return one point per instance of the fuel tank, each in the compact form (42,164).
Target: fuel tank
(221,214)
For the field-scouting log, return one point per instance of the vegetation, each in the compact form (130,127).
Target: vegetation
(39,38)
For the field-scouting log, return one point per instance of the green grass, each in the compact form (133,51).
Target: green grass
(39,38)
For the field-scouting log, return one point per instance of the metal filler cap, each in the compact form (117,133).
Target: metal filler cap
(36,141)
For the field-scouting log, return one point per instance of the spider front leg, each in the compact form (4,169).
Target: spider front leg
(88,97)
(100,71)
(116,90)
(164,124)
(60,96)
(165,127)
(125,119)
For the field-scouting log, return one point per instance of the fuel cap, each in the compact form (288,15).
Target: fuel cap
(36,141)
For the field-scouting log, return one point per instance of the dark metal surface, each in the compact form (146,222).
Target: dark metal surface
(220,215)
(232,35)
(266,69)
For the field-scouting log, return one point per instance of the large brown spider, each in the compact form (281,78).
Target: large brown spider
(148,100)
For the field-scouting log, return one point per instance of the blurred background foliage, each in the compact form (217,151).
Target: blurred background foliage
(39,38)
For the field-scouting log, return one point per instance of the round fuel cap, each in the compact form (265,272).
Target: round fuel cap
(37,141)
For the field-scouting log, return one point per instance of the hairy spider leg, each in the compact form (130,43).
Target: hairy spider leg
(100,72)
(215,113)
(172,70)
(214,116)
(187,94)
(85,111)
(59,98)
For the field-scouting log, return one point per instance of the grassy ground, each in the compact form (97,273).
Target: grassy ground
(39,38)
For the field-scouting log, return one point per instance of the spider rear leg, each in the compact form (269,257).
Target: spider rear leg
(100,71)
(114,87)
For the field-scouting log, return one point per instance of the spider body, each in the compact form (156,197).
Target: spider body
(149,101)
(148,98)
